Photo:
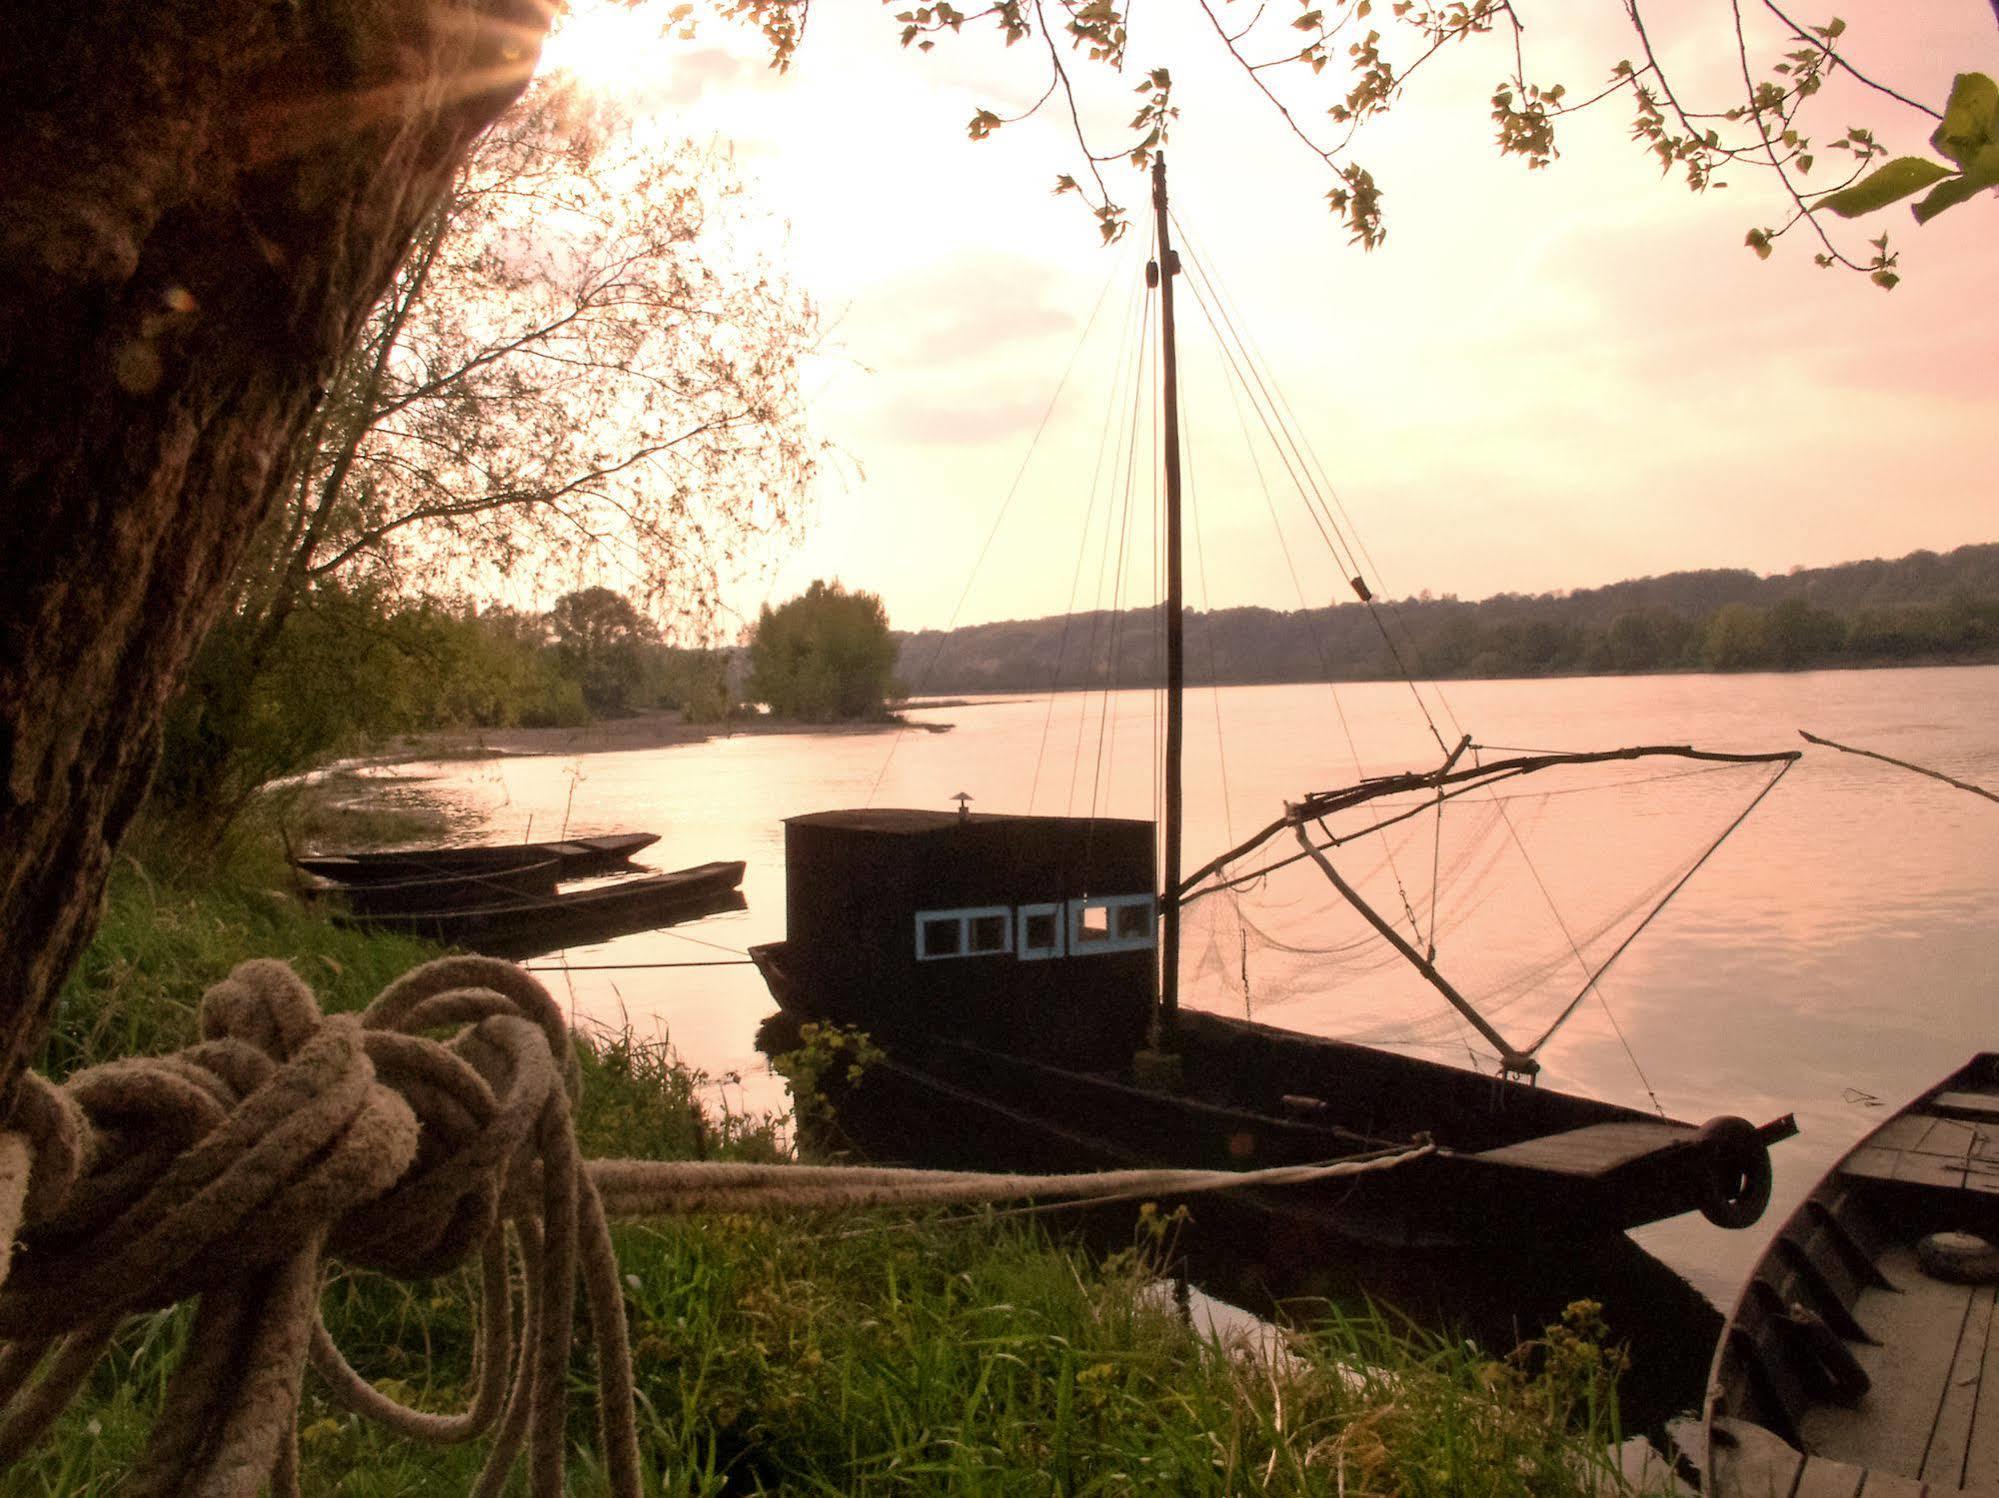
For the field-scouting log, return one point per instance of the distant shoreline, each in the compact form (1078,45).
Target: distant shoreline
(662,729)
(989,695)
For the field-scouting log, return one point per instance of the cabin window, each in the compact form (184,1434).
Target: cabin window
(1111,923)
(983,931)
(1040,932)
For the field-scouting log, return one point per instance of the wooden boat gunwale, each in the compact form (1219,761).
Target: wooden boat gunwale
(1784,1408)
(525,879)
(524,927)
(1546,1181)
(575,857)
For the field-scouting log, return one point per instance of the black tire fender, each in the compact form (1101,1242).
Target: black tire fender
(1735,1164)
(1831,1370)
(1960,1258)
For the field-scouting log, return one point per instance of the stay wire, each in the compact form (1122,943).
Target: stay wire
(1107,720)
(1100,620)
(1282,419)
(1208,634)
(1236,390)
(1104,436)
(992,532)
(1592,985)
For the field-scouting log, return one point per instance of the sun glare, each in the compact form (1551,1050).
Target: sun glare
(612,48)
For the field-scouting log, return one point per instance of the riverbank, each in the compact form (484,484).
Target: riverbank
(662,728)
(869,1353)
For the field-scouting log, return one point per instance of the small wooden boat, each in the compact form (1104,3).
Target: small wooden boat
(574,858)
(528,925)
(527,877)
(1855,1360)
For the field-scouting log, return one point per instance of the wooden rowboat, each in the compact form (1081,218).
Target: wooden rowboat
(529,925)
(1855,1362)
(527,878)
(574,859)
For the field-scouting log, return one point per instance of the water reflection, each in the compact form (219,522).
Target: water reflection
(1842,940)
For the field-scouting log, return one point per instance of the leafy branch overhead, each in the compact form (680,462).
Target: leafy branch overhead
(1968,138)
(1328,69)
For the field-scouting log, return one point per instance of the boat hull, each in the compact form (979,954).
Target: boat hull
(1848,1364)
(532,925)
(574,858)
(1514,1164)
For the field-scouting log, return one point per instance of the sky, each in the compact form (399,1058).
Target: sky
(1543,380)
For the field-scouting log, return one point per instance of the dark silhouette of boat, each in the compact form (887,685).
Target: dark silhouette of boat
(1856,1357)
(1021,975)
(572,858)
(529,876)
(530,924)
(1005,965)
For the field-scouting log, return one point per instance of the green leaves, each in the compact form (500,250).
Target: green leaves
(1885,185)
(1968,137)
(1968,118)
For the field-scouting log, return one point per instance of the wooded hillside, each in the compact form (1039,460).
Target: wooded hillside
(1923,607)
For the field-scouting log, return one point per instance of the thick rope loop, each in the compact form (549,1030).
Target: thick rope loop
(237,1168)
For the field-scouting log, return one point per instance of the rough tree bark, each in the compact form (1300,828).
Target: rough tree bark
(199,200)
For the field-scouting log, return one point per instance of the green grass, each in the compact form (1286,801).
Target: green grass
(832,1354)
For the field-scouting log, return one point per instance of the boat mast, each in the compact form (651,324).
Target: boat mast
(1163,272)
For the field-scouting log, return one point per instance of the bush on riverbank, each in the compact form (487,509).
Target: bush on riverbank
(865,1354)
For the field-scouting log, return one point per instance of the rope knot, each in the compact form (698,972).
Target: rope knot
(231,1169)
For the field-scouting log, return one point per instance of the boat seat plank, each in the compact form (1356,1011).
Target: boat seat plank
(1892,1485)
(1927,1134)
(1593,1150)
(1749,1462)
(1823,1478)
(1974,1105)
(1918,1327)
(1950,1443)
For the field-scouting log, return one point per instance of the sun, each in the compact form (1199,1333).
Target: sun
(611,48)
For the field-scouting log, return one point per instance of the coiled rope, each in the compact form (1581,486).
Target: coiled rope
(233,1169)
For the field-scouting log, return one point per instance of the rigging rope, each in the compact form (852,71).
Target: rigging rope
(1126,347)
(1277,526)
(1322,517)
(1006,504)
(235,1169)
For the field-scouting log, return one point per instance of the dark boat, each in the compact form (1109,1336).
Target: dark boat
(1855,1360)
(1006,966)
(1022,976)
(532,924)
(528,876)
(574,858)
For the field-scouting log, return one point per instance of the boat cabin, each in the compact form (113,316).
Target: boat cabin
(1036,935)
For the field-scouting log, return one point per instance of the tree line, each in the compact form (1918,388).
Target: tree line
(1923,607)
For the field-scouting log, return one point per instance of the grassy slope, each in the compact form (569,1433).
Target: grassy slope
(843,1355)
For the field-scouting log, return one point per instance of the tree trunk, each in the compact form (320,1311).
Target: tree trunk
(199,201)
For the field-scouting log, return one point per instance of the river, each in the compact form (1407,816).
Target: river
(1835,956)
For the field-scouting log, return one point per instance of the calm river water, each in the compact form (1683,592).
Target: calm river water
(1838,954)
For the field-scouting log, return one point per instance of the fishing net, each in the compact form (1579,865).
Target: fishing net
(1519,890)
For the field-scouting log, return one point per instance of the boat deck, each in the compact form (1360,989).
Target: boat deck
(1941,1145)
(1927,1425)
(1926,1417)
(1593,1150)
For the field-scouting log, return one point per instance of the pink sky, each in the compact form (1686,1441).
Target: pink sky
(1543,380)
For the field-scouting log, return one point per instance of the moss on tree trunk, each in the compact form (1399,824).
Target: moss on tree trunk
(199,201)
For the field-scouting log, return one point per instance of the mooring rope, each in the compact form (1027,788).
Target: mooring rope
(233,1169)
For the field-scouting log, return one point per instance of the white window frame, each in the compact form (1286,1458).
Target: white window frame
(1111,941)
(964,917)
(1057,912)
